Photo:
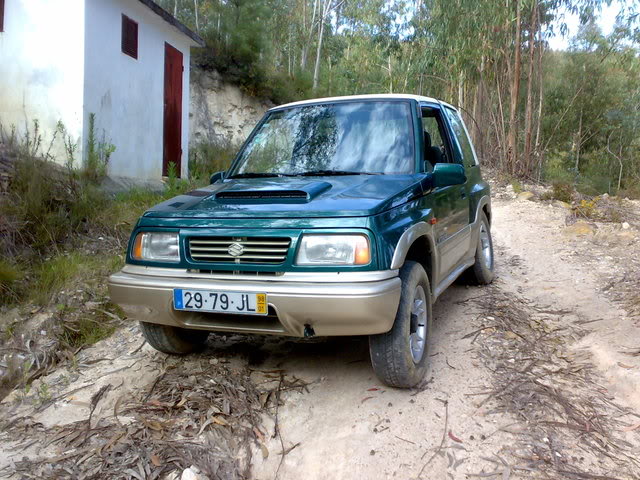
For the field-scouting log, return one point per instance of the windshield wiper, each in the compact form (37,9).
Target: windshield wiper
(259,175)
(314,173)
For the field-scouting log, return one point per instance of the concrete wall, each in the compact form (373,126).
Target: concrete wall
(221,112)
(42,69)
(127,95)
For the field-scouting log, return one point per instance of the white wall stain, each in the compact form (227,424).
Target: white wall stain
(42,68)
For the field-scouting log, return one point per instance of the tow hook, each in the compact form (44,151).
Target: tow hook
(308,331)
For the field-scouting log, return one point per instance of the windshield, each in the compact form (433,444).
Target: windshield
(352,137)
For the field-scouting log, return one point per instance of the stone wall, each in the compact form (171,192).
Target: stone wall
(221,112)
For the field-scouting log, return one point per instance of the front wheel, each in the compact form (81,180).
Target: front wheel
(173,340)
(400,356)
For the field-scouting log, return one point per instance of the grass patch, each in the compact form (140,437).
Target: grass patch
(9,277)
(517,186)
(86,329)
(66,271)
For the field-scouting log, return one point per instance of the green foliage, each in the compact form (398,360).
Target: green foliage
(461,51)
(98,153)
(560,191)
(9,277)
(46,205)
(67,270)
(207,158)
(48,214)
(516,185)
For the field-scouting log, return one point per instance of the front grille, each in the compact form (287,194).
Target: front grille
(251,250)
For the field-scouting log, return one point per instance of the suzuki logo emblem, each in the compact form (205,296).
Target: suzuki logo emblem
(235,250)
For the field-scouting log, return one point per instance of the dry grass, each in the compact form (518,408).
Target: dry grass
(554,394)
(208,416)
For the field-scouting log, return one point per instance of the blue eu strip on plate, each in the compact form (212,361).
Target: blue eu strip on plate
(177,299)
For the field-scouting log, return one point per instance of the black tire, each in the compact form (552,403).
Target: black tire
(173,340)
(391,352)
(482,273)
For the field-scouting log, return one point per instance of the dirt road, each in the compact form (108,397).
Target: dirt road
(546,315)
(536,376)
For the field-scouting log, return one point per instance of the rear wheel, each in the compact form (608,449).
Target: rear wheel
(173,340)
(481,273)
(400,356)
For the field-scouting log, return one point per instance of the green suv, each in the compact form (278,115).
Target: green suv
(339,216)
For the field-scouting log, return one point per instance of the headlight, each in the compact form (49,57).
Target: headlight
(157,247)
(333,250)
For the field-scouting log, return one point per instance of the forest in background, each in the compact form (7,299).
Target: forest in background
(568,116)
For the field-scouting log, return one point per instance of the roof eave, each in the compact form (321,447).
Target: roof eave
(197,40)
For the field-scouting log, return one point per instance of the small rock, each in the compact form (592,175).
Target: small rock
(213,361)
(192,473)
(579,228)
(561,204)
(625,238)
(525,196)
(625,226)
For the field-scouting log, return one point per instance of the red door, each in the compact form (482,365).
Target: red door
(172,151)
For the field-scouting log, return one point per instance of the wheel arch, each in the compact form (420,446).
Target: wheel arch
(417,244)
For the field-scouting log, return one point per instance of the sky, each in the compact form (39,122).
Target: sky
(606,20)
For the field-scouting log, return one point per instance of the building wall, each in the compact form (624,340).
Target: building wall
(42,70)
(127,95)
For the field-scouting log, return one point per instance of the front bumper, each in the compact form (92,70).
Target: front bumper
(362,303)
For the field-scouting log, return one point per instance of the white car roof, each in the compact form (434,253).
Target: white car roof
(381,96)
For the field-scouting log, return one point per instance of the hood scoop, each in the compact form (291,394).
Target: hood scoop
(247,193)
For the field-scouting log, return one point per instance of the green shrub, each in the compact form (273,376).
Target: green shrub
(560,191)
(9,277)
(99,151)
(206,158)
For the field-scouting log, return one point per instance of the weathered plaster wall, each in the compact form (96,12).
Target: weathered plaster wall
(127,94)
(42,69)
(221,112)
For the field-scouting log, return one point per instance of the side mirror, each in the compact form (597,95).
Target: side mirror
(447,174)
(216,176)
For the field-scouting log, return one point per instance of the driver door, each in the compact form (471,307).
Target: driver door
(451,204)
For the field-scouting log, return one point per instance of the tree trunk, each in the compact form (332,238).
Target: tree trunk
(539,153)
(316,68)
(195,9)
(528,123)
(305,47)
(579,143)
(512,153)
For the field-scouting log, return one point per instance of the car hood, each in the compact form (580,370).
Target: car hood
(291,197)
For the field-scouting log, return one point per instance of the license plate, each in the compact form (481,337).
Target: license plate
(220,302)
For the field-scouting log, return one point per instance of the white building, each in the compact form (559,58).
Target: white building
(124,63)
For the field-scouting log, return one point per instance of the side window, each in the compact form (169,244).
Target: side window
(464,143)
(435,150)
(1,15)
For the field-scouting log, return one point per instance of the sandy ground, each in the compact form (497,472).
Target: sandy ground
(532,377)
(344,430)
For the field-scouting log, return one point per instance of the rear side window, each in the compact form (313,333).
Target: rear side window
(462,138)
